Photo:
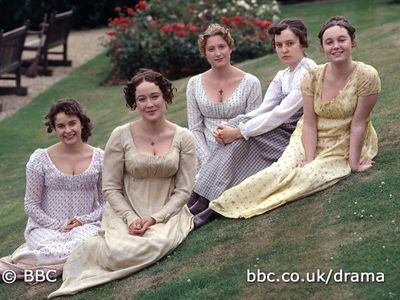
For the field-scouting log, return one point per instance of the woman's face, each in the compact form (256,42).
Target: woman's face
(150,101)
(217,51)
(68,128)
(288,48)
(337,44)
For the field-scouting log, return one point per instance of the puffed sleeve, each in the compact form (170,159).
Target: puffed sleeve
(184,179)
(307,82)
(369,82)
(254,98)
(196,120)
(97,212)
(113,177)
(35,176)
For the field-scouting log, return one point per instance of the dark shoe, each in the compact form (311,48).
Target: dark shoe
(193,199)
(198,207)
(204,217)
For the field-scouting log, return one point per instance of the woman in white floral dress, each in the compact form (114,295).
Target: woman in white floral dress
(63,197)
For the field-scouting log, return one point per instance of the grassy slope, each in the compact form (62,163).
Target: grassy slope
(352,226)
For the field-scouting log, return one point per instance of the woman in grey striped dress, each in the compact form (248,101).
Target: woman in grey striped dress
(219,94)
(251,142)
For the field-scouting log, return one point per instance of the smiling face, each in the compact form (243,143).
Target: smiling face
(217,51)
(337,44)
(150,101)
(288,48)
(68,128)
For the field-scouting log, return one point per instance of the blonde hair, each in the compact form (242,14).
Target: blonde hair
(213,30)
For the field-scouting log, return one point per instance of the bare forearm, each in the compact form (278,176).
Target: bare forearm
(357,133)
(309,140)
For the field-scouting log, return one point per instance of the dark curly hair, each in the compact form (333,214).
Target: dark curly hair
(295,25)
(69,106)
(338,21)
(148,75)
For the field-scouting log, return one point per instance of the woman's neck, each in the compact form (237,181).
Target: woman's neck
(72,149)
(342,69)
(154,127)
(225,72)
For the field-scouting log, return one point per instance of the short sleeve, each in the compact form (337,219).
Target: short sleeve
(307,83)
(369,82)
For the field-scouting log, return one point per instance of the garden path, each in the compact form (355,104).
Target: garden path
(82,46)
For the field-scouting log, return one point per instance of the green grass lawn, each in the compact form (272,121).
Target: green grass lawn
(353,226)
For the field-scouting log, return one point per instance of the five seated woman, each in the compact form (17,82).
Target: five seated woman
(252,157)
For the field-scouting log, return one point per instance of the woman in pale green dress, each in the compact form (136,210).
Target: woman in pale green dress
(335,137)
(148,174)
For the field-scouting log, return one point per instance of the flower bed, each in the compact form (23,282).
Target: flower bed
(162,35)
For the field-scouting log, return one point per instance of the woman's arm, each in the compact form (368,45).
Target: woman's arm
(113,177)
(309,133)
(33,199)
(196,121)
(184,180)
(225,134)
(365,104)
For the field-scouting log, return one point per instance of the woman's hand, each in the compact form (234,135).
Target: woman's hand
(363,165)
(72,223)
(139,226)
(303,163)
(226,134)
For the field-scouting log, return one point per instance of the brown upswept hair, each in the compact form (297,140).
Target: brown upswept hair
(295,25)
(213,30)
(69,106)
(148,75)
(338,21)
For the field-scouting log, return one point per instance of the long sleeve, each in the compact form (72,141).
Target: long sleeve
(113,177)
(196,121)
(184,180)
(96,214)
(33,197)
(273,112)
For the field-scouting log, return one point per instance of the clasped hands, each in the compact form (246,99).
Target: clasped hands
(72,223)
(139,226)
(225,134)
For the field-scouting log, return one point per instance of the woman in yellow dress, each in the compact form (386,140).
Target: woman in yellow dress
(334,138)
(148,174)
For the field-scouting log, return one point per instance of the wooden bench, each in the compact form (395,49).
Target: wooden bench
(54,33)
(11,45)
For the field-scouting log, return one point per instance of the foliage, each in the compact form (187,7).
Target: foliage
(163,35)
(87,13)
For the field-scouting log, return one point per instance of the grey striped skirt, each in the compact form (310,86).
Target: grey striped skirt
(229,165)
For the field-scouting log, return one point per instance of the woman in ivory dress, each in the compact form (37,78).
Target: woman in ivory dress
(335,138)
(219,94)
(252,142)
(63,197)
(149,170)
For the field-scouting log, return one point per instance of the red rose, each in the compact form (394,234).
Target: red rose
(252,39)
(266,24)
(193,29)
(130,11)
(110,33)
(236,18)
(181,33)
(225,20)
(118,8)
(142,5)
(165,28)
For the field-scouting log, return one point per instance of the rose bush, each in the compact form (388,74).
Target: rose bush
(162,35)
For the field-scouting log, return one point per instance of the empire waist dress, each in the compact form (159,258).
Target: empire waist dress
(135,185)
(283,181)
